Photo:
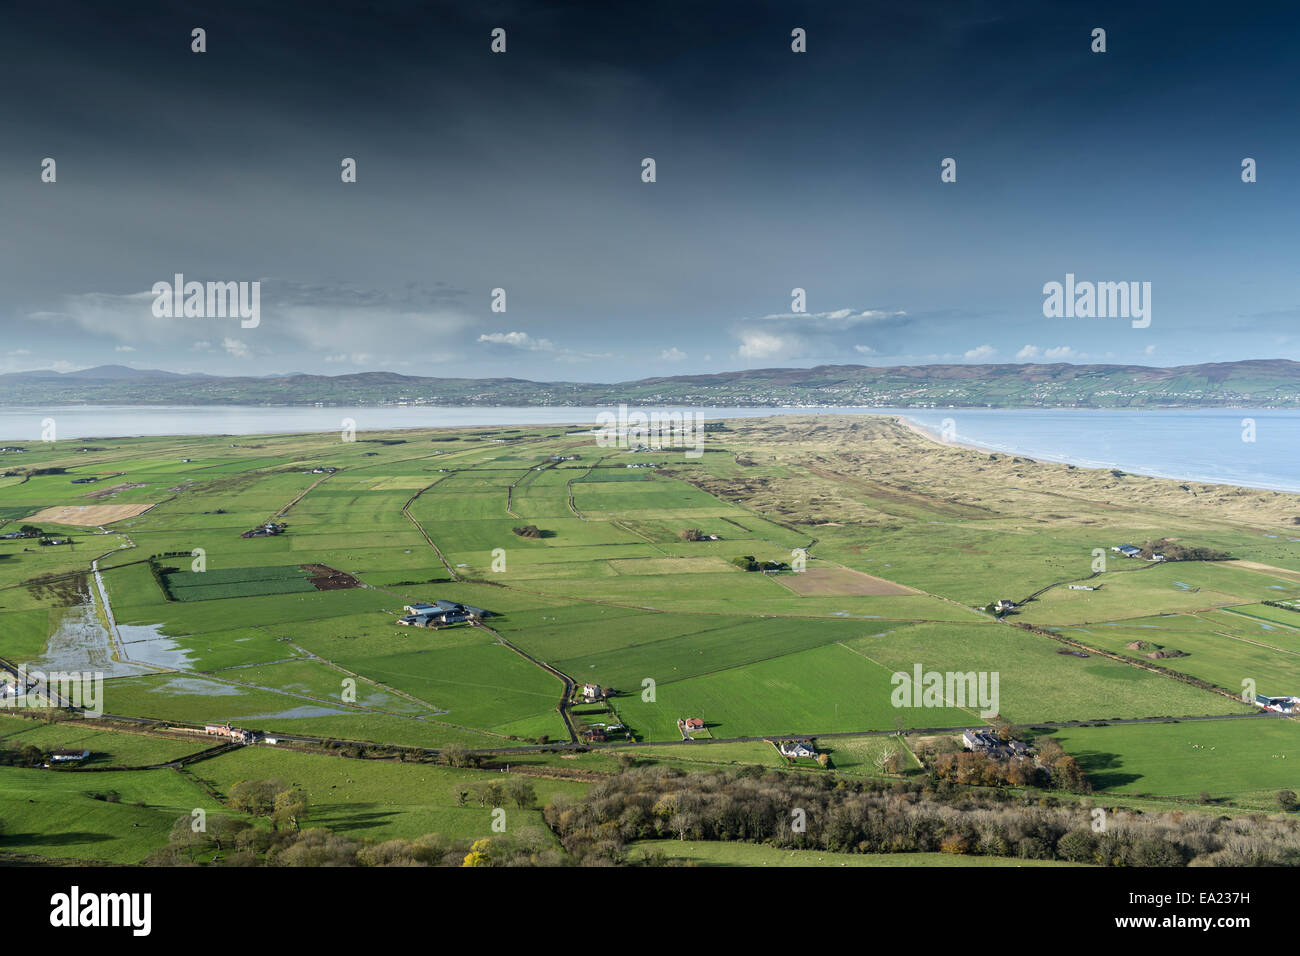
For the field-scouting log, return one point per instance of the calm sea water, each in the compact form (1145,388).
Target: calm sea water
(1190,444)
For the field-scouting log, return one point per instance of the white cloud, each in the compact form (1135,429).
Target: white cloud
(236,348)
(1149,350)
(1056,353)
(836,320)
(123,348)
(518,340)
(672,355)
(761,345)
(526,343)
(980,353)
(791,335)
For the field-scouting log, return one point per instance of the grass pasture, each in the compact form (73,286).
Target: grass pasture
(907,542)
(1240,761)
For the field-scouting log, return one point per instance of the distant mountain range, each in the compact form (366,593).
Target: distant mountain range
(1262,382)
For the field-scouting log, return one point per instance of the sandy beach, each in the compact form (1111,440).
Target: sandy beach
(931,436)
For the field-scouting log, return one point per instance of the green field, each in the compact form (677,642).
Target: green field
(1242,761)
(631,583)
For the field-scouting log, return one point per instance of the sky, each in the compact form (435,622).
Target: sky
(523,171)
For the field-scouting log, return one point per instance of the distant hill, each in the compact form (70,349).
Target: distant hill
(1261,382)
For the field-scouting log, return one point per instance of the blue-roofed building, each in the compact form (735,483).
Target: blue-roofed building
(439,613)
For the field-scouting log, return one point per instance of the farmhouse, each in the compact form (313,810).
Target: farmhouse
(796,748)
(265,531)
(1082,587)
(987,742)
(693,723)
(980,740)
(1282,705)
(1127,550)
(591,691)
(237,734)
(440,613)
(1002,605)
(69,756)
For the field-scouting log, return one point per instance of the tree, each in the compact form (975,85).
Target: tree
(454,755)
(523,794)
(1077,846)
(183,839)
(478,854)
(1069,776)
(1286,799)
(269,798)
(290,805)
(884,759)
(224,831)
(256,796)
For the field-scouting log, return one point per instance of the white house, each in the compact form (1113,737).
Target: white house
(68,756)
(1282,705)
(796,748)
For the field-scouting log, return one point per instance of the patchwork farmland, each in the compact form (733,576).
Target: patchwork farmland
(566,611)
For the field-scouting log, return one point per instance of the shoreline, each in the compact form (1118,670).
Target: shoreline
(925,433)
(921,430)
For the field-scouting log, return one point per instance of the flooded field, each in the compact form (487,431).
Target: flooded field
(146,644)
(80,642)
(197,685)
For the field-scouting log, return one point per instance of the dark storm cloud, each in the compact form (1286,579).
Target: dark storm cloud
(521,171)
